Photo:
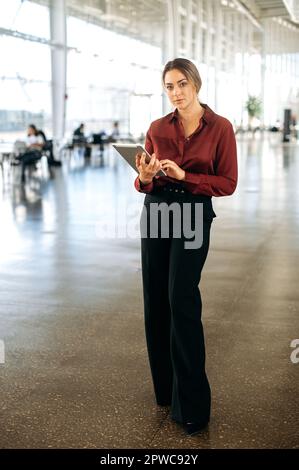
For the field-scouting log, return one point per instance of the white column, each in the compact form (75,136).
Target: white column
(208,33)
(263,72)
(171,41)
(231,43)
(173,29)
(218,51)
(165,58)
(198,48)
(243,49)
(188,32)
(58,60)
(208,51)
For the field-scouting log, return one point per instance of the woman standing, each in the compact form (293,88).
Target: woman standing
(196,148)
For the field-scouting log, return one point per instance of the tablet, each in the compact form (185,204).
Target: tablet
(129,151)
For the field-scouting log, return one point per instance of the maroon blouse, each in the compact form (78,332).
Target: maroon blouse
(208,156)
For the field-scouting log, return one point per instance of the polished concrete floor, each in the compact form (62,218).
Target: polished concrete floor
(76,373)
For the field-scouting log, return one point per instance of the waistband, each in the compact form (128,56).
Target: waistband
(174,190)
(168,189)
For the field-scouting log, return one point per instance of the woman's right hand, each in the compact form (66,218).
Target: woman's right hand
(147,170)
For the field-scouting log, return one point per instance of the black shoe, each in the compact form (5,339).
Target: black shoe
(195,428)
(54,162)
(163,403)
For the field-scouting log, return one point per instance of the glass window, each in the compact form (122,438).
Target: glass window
(109,76)
(25,82)
(22,16)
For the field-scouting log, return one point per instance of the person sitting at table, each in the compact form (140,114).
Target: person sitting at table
(115,132)
(78,135)
(34,144)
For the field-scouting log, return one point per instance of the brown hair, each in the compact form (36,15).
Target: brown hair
(187,68)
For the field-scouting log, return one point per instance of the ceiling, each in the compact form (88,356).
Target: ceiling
(147,19)
(287,9)
(140,19)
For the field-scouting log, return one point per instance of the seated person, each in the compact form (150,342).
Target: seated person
(34,145)
(48,149)
(100,139)
(78,135)
(35,139)
(115,132)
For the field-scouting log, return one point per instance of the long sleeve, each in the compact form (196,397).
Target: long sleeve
(224,182)
(150,149)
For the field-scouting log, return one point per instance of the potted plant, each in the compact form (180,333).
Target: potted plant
(254,108)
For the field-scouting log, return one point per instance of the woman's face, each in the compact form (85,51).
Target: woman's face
(180,91)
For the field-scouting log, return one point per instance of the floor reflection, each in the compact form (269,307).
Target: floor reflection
(267,170)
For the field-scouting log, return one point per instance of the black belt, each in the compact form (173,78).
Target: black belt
(172,188)
(177,190)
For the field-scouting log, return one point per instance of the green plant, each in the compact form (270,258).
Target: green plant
(253,106)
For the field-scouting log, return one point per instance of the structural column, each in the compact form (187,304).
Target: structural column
(58,62)
(263,71)
(189,28)
(198,47)
(208,51)
(171,41)
(218,51)
(173,29)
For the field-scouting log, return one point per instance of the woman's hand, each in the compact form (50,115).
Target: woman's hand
(147,170)
(172,169)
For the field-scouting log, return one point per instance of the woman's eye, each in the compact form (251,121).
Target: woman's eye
(184,84)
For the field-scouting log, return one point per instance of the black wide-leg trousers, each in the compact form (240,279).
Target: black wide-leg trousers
(172,308)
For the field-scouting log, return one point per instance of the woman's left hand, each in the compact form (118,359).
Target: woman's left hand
(172,169)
